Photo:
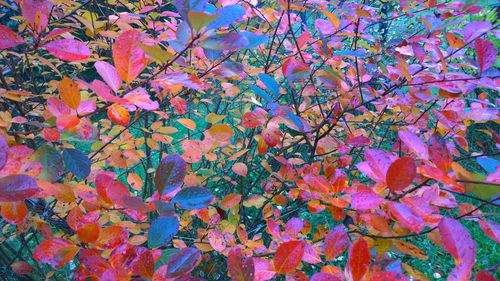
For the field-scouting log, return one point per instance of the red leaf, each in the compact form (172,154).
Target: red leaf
(458,242)
(288,256)
(183,262)
(415,144)
(21,267)
(359,259)
(335,242)
(240,268)
(490,228)
(486,53)
(112,236)
(56,251)
(130,59)
(9,38)
(68,49)
(484,275)
(17,187)
(439,153)
(401,173)
(294,69)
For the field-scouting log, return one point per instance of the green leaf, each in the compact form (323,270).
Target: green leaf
(76,162)
(483,191)
(52,162)
(170,174)
(193,198)
(162,231)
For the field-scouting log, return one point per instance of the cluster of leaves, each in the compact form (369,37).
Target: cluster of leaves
(189,140)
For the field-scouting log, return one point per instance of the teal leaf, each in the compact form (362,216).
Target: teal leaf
(270,83)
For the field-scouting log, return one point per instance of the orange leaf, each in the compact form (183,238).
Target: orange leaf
(69,92)
(14,212)
(230,200)
(221,132)
(56,251)
(118,114)
(89,233)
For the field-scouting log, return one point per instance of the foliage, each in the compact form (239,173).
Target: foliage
(247,140)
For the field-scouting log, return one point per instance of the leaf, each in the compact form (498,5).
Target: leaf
(335,242)
(261,93)
(55,251)
(296,120)
(119,114)
(365,200)
(52,162)
(112,237)
(459,244)
(484,275)
(490,228)
(140,98)
(198,20)
(183,262)
(162,230)
(388,276)
(486,53)
(89,233)
(225,41)
(410,249)
(193,198)
(69,92)
(359,259)
(401,173)
(4,148)
(21,267)
(357,54)
(129,58)
(184,6)
(487,163)
(188,123)
(454,41)
(228,15)
(270,83)
(9,38)
(240,169)
(216,240)
(76,162)
(474,29)
(239,267)
(415,144)
(288,256)
(221,132)
(404,215)
(170,174)
(109,75)
(334,20)
(294,70)
(14,212)
(68,50)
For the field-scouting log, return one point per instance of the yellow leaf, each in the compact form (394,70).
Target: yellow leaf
(221,132)
(332,18)
(213,118)
(69,92)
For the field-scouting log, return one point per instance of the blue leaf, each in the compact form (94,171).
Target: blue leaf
(76,162)
(350,53)
(488,164)
(261,93)
(270,83)
(228,15)
(193,198)
(162,230)
(254,40)
(226,41)
(296,120)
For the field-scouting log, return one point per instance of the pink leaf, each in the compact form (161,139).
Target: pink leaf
(335,242)
(140,98)
(109,75)
(458,242)
(365,200)
(68,49)
(474,29)
(415,144)
(404,216)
